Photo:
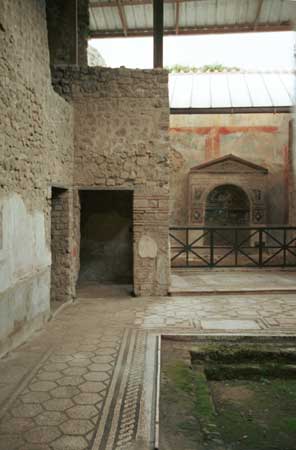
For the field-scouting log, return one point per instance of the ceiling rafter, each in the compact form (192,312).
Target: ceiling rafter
(113,3)
(243,28)
(177,15)
(258,12)
(122,16)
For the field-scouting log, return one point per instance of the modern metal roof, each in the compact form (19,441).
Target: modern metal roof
(232,90)
(117,18)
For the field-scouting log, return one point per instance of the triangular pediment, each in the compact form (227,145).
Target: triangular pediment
(229,164)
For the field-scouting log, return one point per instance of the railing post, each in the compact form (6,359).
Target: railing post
(236,245)
(212,263)
(260,247)
(187,253)
(285,247)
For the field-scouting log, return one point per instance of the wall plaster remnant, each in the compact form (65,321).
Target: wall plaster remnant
(147,247)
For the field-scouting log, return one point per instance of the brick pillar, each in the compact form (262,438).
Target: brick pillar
(63,274)
(151,250)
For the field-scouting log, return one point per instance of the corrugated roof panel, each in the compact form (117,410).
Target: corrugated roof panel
(198,13)
(170,15)
(257,89)
(231,90)
(289,11)
(181,97)
(211,13)
(289,81)
(238,89)
(201,94)
(219,91)
(276,90)
(220,16)
(112,19)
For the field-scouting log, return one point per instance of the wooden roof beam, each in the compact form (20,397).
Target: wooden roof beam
(112,4)
(158,22)
(122,16)
(177,16)
(258,12)
(247,28)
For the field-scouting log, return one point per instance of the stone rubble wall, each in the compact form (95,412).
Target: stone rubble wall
(121,142)
(36,151)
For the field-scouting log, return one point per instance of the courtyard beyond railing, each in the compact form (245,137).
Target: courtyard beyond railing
(233,246)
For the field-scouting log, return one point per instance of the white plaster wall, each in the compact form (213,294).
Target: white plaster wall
(24,272)
(24,251)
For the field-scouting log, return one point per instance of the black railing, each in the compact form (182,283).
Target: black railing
(233,246)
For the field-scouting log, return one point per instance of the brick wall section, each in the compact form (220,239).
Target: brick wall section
(62,270)
(121,142)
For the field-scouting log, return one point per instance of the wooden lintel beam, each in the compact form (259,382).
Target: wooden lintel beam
(112,4)
(158,21)
(177,15)
(122,16)
(247,28)
(258,12)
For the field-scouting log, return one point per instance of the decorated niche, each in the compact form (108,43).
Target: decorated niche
(227,191)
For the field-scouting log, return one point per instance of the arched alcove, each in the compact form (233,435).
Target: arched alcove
(228,205)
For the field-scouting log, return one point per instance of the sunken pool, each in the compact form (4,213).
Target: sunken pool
(228,393)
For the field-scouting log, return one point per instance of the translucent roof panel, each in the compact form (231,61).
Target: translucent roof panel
(194,17)
(232,90)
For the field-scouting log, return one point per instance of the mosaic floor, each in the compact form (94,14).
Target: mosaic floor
(86,380)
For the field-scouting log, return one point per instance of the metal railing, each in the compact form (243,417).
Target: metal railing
(233,246)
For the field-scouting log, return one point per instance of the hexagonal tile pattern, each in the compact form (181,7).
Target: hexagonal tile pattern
(16,425)
(35,397)
(28,410)
(76,371)
(55,367)
(70,381)
(82,412)
(100,367)
(70,443)
(42,386)
(49,376)
(79,363)
(58,404)
(64,392)
(87,399)
(41,435)
(51,418)
(76,427)
(92,386)
(96,376)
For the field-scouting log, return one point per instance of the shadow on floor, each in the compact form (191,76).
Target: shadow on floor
(96,290)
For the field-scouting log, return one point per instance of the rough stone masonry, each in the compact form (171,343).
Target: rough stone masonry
(112,132)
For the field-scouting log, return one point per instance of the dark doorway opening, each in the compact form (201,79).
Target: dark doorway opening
(106,247)
(228,206)
(60,270)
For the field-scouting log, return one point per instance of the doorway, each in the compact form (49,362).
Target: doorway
(106,247)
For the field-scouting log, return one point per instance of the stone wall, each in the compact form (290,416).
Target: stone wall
(259,138)
(36,151)
(121,142)
(68,27)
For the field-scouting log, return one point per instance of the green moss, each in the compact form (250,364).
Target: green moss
(290,423)
(204,407)
(181,376)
